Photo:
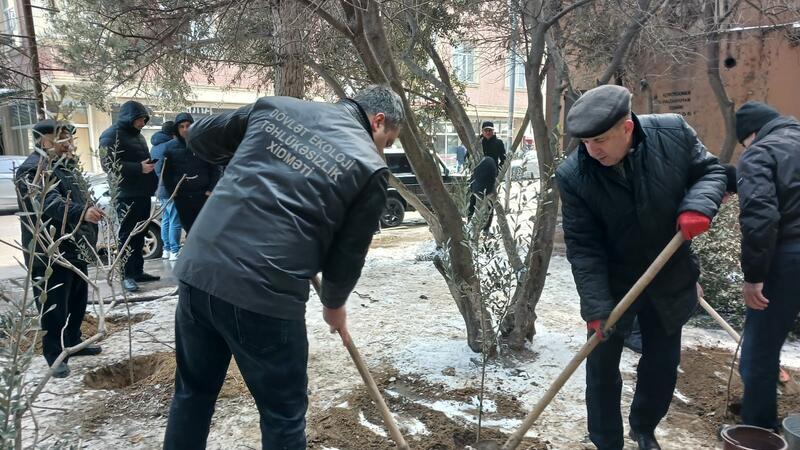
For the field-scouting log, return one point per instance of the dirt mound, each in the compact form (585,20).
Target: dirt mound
(114,323)
(356,423)
(704,385)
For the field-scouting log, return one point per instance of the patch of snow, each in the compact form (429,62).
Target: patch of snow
(377,429)
(681,397)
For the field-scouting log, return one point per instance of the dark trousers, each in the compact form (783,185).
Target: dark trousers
(132,211)
(764,334)
(473,200)
(272,355)
(67,294)
(655,382)
(189,208)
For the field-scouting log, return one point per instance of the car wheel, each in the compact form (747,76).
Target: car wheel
(393,213)
(152,243)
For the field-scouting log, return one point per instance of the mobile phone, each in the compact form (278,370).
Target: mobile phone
(153,161)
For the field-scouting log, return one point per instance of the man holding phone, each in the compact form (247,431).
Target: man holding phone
(126,158)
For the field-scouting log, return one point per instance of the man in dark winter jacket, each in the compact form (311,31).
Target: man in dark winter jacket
(303,191)
(631,181)
(769,199)
(201,176)
(481,185)
(127,158)
(492,146)
(58,193)
(170,223)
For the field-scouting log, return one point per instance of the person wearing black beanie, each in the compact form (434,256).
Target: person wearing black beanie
(751,117)
(769,200)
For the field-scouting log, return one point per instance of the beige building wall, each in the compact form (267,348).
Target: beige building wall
(767,69)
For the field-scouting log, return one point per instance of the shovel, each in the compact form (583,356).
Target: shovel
(651,272)
(372,388)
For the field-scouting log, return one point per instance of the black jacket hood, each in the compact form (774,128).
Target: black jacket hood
(130,111)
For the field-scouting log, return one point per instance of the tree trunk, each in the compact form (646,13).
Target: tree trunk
(289,71)
(529,291)
(726,106)
(375,51)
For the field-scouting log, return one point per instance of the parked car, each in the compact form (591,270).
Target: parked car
(526,166)
(396,205)
(8,190)
(153,245)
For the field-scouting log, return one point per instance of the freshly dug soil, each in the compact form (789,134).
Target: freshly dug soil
(342,426)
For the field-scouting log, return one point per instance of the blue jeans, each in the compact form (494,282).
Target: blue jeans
(272,355)
(170,228)
(656,376)
(764,334)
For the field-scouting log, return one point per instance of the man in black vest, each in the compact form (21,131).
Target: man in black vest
(49,183)
(629,185)
(769,199)
(127,158)
(303,190)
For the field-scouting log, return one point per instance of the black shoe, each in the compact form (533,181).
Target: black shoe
(146,277)
(645,441)
(61,371)
(130,285)
(89,350)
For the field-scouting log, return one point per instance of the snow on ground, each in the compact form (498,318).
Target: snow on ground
(401,316)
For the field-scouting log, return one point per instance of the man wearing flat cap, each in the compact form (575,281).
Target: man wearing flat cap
(49,185)
(630,184)
(769,200)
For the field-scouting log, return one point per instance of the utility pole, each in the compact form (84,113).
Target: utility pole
(512,92)
(33,55)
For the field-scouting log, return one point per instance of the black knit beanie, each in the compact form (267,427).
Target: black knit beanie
(751,117)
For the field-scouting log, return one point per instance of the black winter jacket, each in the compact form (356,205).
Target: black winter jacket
(124,148)
(302,193)
(495,148)
(615,225)
(68,196)
(769,195)
(484,176)
(179,161)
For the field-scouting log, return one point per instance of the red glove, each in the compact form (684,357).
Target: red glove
(597,326)
(693,224)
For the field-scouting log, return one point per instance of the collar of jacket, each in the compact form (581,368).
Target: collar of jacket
(357,112)
(774,124)
(639,138)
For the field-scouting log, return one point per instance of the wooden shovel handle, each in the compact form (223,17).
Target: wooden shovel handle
(725,326)
(372,388)
(651,272)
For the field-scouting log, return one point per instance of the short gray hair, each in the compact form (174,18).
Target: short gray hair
(382,99)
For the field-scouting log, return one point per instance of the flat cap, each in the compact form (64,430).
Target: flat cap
(49,126)
(597,110)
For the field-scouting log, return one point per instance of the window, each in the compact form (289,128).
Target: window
(519,72)
(464,62)
(10,22)
(445,141)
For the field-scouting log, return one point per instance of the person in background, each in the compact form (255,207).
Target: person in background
(126,157)
(64,207)
(201,177)
(170,222)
